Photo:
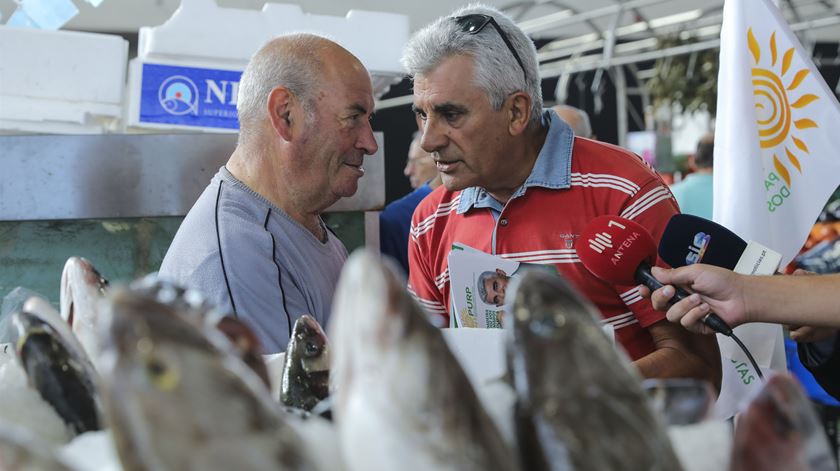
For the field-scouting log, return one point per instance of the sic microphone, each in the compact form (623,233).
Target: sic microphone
(620,251)
(690,239)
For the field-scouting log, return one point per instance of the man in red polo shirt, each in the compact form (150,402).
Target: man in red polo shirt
(518,184)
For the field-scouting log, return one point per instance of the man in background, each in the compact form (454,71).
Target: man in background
(576,118)
(395,219)
(695,192)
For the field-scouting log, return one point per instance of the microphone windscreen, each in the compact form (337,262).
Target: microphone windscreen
(690,239)
(612,248)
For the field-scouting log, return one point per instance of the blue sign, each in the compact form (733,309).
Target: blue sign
(189,96)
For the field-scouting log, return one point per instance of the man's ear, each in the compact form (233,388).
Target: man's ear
(519,112)
(281,108)
(501,272)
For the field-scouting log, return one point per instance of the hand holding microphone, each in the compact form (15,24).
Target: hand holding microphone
(620,251)
(689,240)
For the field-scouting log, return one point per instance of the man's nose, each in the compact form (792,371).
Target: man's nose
(434,138)
(367,141)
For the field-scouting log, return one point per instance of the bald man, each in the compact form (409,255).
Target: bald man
(254,242)
(576,118)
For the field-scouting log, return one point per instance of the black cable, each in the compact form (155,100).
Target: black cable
(749,356)
(712,320)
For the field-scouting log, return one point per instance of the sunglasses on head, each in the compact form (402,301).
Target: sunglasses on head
(473,24)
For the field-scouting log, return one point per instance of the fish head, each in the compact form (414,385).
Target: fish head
(57,371)
(309,345)
(371,317)
(550,316)
(82,289)
(781,430)
(305,378)
(545,306)
(164,372)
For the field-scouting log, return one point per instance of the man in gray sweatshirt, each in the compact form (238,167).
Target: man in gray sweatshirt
(254,242)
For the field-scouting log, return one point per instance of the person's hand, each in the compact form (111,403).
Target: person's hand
(715,290)
(809,334)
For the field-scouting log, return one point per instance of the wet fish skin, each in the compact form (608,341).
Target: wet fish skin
(305,379)
(177,400)
(579,401)
(82,288)
(57,372)
(400,398)
(780,430)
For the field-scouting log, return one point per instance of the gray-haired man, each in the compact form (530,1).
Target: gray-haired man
(254,242)
(518,184)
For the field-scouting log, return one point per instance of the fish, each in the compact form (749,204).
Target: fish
(55,369)
(780,430)
(82,289)
(177,398)
(579,401)
(400,398)
(194,307)
(20,451)
(305,378)
(682,401)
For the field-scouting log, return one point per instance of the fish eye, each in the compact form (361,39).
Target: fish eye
(160,374)
(311,349)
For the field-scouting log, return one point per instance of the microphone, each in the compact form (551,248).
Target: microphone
(620,251)
(690,239)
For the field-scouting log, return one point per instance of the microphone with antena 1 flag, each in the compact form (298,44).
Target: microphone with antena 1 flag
(620,251)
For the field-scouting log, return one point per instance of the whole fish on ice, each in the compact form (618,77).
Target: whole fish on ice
(579,401)
(400,398)
(177,400)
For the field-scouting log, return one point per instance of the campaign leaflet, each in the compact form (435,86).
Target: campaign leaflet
(478,283)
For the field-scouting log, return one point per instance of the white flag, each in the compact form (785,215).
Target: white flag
(777,142)
(776,159)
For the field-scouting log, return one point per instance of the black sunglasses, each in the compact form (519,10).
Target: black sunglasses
(473,24)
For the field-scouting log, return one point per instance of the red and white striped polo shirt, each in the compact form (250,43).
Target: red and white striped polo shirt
(542,226)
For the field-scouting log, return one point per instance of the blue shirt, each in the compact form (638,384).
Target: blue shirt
(694,194)
(395,224)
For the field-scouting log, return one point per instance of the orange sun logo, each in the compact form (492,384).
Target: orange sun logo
(774,109)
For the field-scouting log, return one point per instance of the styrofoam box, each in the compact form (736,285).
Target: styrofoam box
(60,80)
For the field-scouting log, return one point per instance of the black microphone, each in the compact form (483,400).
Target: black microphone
(690,239)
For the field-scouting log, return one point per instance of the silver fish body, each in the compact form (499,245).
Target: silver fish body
(579,401)
(400,398)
